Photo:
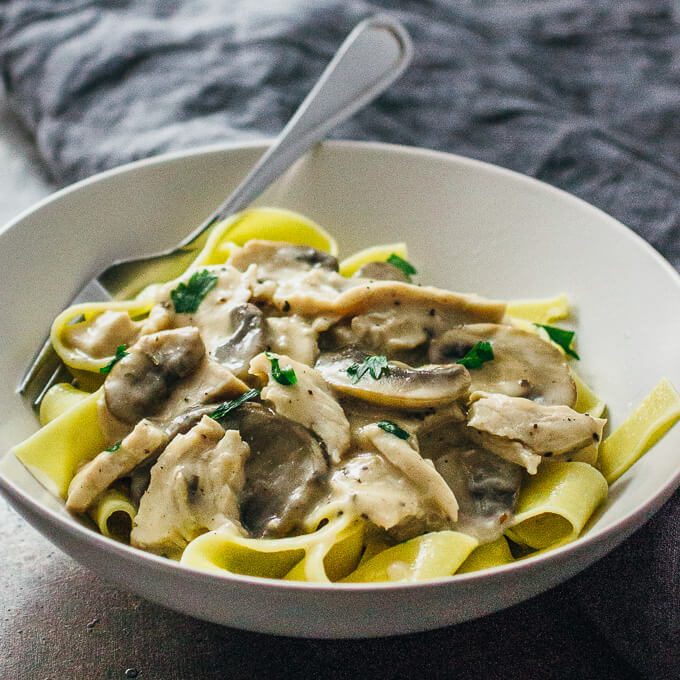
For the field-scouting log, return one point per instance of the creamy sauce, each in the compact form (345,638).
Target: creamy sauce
(418,444)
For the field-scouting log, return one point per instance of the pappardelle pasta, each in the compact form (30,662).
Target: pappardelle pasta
(277,413)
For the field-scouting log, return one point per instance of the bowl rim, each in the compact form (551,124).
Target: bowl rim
(621,528)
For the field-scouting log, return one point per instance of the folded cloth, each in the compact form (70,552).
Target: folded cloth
(583,94)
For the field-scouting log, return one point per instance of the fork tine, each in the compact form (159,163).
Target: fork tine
(46,368)
(40,371)
(61,374)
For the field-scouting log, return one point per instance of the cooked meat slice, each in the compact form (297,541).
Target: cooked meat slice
(285,473)
(524,365)
(308,402)
(195,487)
(374,488)
(275,257)
(140,382)
(101,336)
(380,271)
(211,383)
(160,319)
(420,472)
(521,431)
(143,443)
(389,317)
(398,385)
(213,317)
(293,336)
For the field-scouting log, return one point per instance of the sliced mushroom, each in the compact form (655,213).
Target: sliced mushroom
(380,271)
(140,382)
(308,401)
(285,473)
(524,365)
(485,486)
(399,385)
(272,257)
(247,340)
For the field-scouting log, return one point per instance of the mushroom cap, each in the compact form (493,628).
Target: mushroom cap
(399,386)
(284,472)
(245,342)
(380,271)
(524,365)
(141,381)
(485,485)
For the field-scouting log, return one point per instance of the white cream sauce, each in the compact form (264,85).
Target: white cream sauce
(453,461)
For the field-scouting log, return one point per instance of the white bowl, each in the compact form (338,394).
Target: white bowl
(471,227)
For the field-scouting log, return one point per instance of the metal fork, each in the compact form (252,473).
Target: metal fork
(372,56)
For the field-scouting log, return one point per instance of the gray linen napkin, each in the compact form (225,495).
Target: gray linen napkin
(583,94)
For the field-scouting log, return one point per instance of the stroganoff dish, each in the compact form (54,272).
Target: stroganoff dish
(273,412)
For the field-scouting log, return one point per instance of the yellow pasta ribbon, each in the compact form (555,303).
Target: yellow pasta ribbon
(555,504)
(655,415)
(586,400)
(56,451)
(488,555)
(227,550)
(59,399)
(374,545)
(113,512)
(331,561)
(545,310)
(351,264)
(432,555)
(75,358)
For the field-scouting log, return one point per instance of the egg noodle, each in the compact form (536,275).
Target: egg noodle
(396,452)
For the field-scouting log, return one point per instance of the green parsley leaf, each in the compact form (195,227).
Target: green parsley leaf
(227,406)
(560,337)
(373,365)
(283,376)
(480,353)
(188,296)
(115,447)
(402,264)
(393,428)
(120,353)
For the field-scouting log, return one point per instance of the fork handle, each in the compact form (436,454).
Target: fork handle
(372,56)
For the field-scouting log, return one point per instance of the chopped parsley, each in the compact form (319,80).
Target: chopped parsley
(374,365)
(283,376)
(393,428)
(227,406)
(560,337)
(113,448)
(402,264)
(480,353)
(188,296)
(120,353)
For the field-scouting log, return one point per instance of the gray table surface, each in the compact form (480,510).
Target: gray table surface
(59,620)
